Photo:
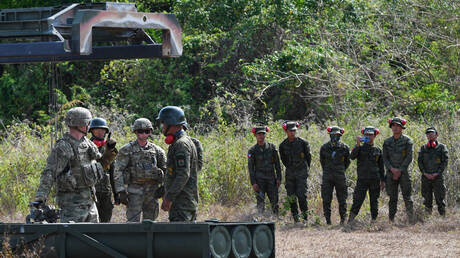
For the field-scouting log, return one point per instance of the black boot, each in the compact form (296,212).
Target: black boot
(328,220)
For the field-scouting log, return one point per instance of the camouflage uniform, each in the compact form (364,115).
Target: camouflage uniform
(296,158)
(105,188)
(263,161)
(73,168)
(397,153)
(335,159)
(181,182)
(142,168)
(432,160)
(371,172)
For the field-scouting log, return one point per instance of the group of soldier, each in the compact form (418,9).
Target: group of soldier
(265,170)
(91,175)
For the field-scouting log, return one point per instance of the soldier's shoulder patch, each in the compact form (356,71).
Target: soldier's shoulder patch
(180,159)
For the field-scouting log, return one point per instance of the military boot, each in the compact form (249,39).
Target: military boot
(351,218)
(296,218)
(328,220)
(305,216)
(342,219)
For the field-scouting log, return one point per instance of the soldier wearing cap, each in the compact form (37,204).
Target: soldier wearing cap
(72,166)
(371,172)
(105,188)
(432,162)
(181,183)
(141,166)
(335,159)
(296,157)
(397,156)
(263,161)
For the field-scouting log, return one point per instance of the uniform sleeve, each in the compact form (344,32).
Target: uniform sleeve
(386,156)
(56,162)
(408,158)
(283,156)
(277,163)
(354,152)
(161,159)
(444,160)
(420,161)
(182,157)
(346,160)
(251,167)
(199,152)
(307,153)
(121,165)
(381,168)
(322,156)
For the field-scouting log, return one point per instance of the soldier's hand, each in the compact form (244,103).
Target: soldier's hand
(111,144)
(278,183)
(382,185)
(358,141)
(123,196)
(166,204)
(396,173)
(255,187)
(428,176)
(433,177)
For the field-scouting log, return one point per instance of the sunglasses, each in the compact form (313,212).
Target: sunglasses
(141,131)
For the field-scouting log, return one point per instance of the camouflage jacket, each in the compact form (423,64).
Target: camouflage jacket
(370,162)
(433,160)
(199,152)
(71,165)
(263,162)
(139,165)
(397,153)
(295,155)
(334,157)
(181,182)
(106,184)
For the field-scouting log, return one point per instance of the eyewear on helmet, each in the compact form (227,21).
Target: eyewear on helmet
(140,131)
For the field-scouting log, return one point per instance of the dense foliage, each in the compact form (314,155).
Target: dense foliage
(252,60)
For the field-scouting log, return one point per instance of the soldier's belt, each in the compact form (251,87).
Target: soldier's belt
(145,181)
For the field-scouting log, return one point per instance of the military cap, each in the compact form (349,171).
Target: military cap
(260,129)
(335,130)
(370,130)
(290,126)
(397,120)
(430,130)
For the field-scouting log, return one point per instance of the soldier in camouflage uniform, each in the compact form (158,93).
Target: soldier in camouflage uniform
(181,182)
(432,162)
(397,156)
(371,172)
(141,165)
(72,166)
(263,161)
(105,187)
(335,159)
(296,157)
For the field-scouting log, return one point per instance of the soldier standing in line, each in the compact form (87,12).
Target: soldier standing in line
(181,182)
(263,161)
(296,157)
(335,159)
(72,166)
(397,156)
(105,187)
(141,165)
(432,162)
(371,172)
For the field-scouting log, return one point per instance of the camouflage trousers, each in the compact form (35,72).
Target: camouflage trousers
(267,187)
(436,187)
(77,206)
(296,188)
(337,181)
(141,200)
(392,187)
(362,187)
(104,205)
(177,215)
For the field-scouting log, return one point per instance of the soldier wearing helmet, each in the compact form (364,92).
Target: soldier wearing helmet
(397,156)
(105,187)
(72,166)
(181,181)
(371,173)
(296,157)
(141,166)
(264,169)
(335,159)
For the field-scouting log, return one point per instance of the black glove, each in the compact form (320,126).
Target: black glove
(123,197)
(111,144)
(160,192)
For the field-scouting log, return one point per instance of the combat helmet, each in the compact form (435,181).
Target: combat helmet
(172,115)
(97,123)
(142,123)
(78,116)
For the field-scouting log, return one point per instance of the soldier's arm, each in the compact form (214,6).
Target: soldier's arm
(386,156)
(408,158)
(56,162)
(307,153)
(420,161)
(354,152)
(346,159)
(161,159)
(444,160)
(283,156)
(277,163)
(199,151)
(121,163)
(182,163)
(322,156)
(381,168)
(251,167)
